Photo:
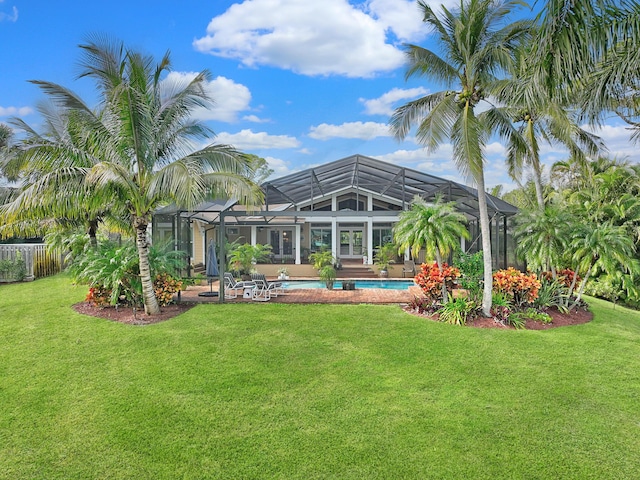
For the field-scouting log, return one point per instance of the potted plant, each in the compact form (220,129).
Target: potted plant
(283,273)
(328,275)
(384,257)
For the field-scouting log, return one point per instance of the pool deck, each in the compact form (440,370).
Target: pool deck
(313,295)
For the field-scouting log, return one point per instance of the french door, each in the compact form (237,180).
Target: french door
(351,242)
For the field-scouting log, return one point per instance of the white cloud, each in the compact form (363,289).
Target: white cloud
(436,163)
(496,148)
(617,138)
(13,111)
(384,105)
(400,16)
(331,37)
(255,119)
(229,98)
(280,167)
(359,130)
(248,140)
(9,17)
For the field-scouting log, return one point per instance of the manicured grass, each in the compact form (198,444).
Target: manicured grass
(292,391)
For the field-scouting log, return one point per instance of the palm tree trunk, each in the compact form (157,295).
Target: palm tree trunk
(581,289)
(444,283)
(486,246)
(151,306)
(537,181)
(92,232)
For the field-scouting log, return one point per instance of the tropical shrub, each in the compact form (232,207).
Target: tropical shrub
(471,266)
(552,293)
(520,288)
(165,286)
(564,276)
(430,279)
(13,269)
(422,305)
(112,269)
(99,296)
(500,308)
(321,259)
(457,311)
(243,256)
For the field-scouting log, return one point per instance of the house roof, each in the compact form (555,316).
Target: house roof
(378,177)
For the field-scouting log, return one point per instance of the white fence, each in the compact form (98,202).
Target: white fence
(38,262)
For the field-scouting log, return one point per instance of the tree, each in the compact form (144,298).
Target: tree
(539,119)
(141,141)
(476,48)
(543,237)
(437,227)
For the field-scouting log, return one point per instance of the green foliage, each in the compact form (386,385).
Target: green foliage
(385,256)
(244,256)
(321,259)
(501,307)
(457,311)
(471,267)
(328,275)
(114,269)
(552,293)
(13,269)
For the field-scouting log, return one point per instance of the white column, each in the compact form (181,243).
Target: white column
(254,235)
(334,204)
(334,237)
(463,244)
(370,202)
(369,241)
(297,245)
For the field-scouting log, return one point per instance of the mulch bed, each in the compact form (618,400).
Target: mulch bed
(129,316)
(558,319)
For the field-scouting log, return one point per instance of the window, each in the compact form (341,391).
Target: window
(320,238)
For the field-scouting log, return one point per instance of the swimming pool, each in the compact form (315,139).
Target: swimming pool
(384,284)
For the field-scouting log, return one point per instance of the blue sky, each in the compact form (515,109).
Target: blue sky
(297,82)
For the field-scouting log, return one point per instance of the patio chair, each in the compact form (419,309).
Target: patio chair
(409,267)
(274,288)
(231,287)
(260,293)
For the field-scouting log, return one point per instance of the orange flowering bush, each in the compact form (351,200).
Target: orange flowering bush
(520,288)
(430,279)
(165,286)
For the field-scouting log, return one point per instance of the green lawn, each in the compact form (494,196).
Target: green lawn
(291,391)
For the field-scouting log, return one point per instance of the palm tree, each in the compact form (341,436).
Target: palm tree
(437,227)
(601,246)
(539,119)
(543,237)
(53,166)
(476,49)
(141,142)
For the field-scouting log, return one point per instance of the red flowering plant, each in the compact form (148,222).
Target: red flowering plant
(430,279)
(519,288)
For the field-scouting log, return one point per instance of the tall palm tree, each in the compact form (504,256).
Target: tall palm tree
(141,142)
(477,46)
(437,227)
(539,119)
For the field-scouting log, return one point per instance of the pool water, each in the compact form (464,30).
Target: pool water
(384,284)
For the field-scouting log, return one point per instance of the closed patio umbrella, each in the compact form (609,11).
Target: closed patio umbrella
(212,270)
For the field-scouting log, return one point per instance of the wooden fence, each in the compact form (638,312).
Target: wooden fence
(34,257)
